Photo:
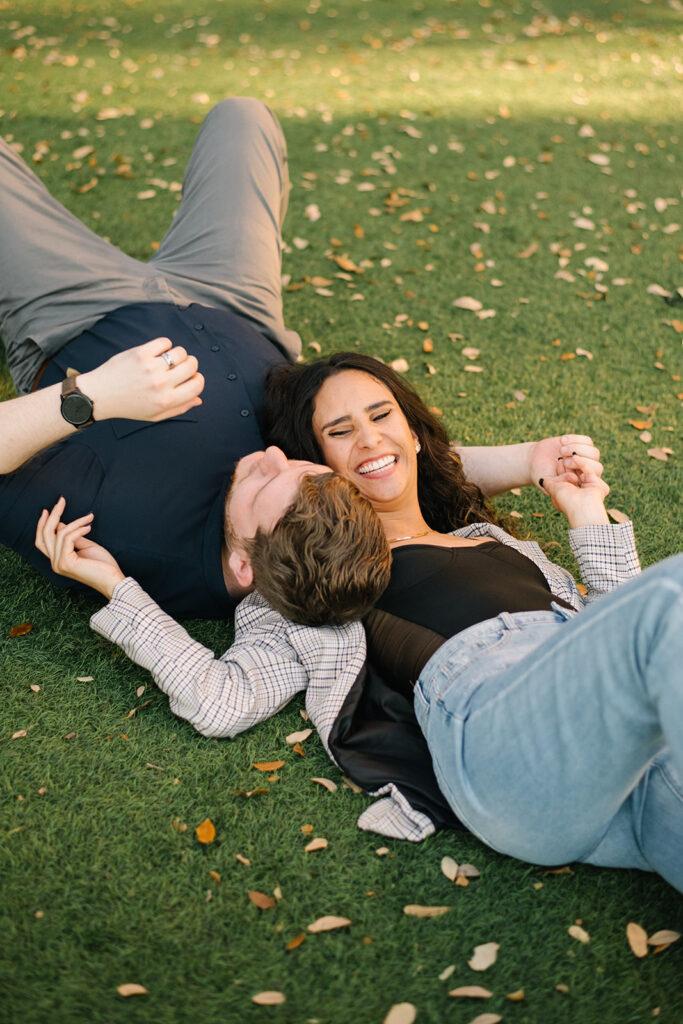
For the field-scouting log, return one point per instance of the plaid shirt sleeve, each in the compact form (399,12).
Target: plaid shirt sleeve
(606,555)
(222,696)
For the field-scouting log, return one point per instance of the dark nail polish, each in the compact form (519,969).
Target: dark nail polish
(540,482)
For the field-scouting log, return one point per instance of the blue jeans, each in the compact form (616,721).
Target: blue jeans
(558,736)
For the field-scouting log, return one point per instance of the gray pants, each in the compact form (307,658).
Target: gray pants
(223,249)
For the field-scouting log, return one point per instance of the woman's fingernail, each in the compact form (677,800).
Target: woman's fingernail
(540,482)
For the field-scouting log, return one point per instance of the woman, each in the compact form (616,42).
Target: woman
(554,736)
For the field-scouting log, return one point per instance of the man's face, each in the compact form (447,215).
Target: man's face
(263,487)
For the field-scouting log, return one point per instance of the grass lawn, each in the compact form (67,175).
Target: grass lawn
(524,154)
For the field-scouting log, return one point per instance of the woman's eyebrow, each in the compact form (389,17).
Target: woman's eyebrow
(347,416)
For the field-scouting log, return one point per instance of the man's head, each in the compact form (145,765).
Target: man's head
(305,538)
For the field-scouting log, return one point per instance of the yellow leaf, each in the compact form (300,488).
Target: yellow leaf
(641,424)
(416,910)
(515,997)
(131,989)
(268,766)
(637,939)
(296,941)
(268,998)
(206,833)
(22,629)
(216,877)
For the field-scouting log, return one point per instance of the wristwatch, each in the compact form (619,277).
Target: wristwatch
(77,408)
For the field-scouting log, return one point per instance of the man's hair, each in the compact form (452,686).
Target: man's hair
(327,560)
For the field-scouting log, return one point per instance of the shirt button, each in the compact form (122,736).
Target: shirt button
(232,376)
(198,327)
(215,348)
(244,412)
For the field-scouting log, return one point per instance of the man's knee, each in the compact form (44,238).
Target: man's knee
(243,112)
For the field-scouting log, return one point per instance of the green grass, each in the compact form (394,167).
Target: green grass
(462,105)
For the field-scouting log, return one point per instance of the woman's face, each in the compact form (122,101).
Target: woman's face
(364,435)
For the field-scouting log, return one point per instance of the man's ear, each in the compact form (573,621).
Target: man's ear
(241,569)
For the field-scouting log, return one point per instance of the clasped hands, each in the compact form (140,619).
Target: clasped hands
(568,469)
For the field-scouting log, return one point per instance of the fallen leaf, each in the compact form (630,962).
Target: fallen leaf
(327,783)
(216,877)
(416,910)
(85,679)
(487,1018)
(473,369)
(562,988)
(312,212)
(328,923)
(316,844)
(350,784)
(260,900)
(22,629)
(637,939)
(401,1013)
(34,688)
(470,353)
(250,792)
(584,352)
(268,766)
(617,516)
(131,989)
(584,223)
(467,302)
(19,734)
(577,932)
(468,871)
(206,833)
(515,997)
(645,436)
(641,424)
(659,938)
(296,941)
(243,860)
(268,998)
(656,289)
(471,992)
(446,973)
(484,956)
(399,366)
(449,868)
(298,749)
(345,263)
(526,253)
(662,454)
(382,851)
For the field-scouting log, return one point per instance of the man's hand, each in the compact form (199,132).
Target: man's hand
(149,382)
(580,493)
(72,555)
(563,456)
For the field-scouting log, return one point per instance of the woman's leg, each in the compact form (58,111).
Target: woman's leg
(224,247)
(57,278)
(542,729)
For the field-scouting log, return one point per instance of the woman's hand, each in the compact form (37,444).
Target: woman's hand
(139,384)
(561,456)
(580,493)
(72,555)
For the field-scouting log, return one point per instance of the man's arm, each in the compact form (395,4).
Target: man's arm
(499,468)
(137,384)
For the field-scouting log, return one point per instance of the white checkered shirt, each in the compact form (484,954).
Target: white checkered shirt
(272,659)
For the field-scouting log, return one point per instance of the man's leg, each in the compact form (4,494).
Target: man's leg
(224,247)
(543,733)
(57,278)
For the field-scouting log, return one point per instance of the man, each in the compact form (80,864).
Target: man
(128,437)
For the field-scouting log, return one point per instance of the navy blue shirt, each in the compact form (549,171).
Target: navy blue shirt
(156,489)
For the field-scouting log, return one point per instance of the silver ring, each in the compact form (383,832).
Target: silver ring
(167,359)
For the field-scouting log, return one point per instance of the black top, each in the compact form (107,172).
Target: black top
(156,489)
(434,593)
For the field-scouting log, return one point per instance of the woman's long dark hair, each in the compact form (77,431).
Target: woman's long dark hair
(447,499)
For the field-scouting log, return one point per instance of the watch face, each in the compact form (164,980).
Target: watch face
(76,409)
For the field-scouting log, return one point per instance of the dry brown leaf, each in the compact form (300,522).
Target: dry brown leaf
(328,923)
(487,1018)
(562,988)
(467,302)
(19,734)
(449,868)
(661,454)
(260,899)
(243,860)
(22,629)
(566,356)
(296,941)
(216,877)
(350,784)
(468,871)
(316,844)
(399,365)
(656,289)
(617,516)
(250,792)
(85,679)
(382,851)
(641,424)
(401,1013)
(471,992)
(131,989)
(416,910)
(34,688)
(298,749)
(637,939)
(484,956)
(206,832)
(470,353)
(268,766)
(584,352)
(473,369)
(665,936)
(327,783)
(298,737)
(645,436)
(271,998)
(577,932)
(526,253)
(345,263)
